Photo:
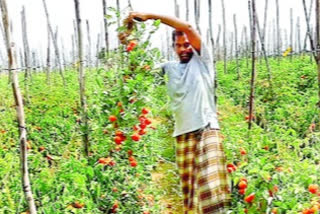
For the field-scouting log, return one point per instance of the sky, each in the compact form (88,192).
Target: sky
(62,15)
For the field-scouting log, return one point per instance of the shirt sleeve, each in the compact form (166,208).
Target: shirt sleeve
(205,54)
(207,60)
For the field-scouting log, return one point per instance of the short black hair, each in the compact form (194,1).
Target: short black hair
(174,34)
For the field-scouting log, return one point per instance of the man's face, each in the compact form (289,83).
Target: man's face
(183,48)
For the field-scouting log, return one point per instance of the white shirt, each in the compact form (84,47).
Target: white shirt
(190,87)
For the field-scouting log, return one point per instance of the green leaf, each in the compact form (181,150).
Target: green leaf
(108,16)
(157,22)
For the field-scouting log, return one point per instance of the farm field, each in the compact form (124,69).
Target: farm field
(279,157)
(128,121)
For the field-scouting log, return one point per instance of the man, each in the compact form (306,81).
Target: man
(199,152)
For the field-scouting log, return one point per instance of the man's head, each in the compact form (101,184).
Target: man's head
(182,46)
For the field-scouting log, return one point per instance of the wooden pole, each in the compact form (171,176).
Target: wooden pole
(118,18)
(312,44)
(20,111)
(84,114)
(247,45)
(98,49)
(264,52)
(217,52)
(278,31)
(236,44)
(265,20)
(291,33)
(213,50)
(211,28)
(253,72)
(231,47)
(130,5)
(274,41)
(63,54)
(318,46)
(197,14)
(89,61)
(187,10)
(106,33)
(55,42)
(176,9)
(57,60)
(224,37)
(26,54)
(48,70)
(306,35)
(298,35)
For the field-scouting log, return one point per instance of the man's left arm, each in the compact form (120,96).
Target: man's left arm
(179,24)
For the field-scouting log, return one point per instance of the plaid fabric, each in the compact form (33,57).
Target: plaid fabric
(202,167)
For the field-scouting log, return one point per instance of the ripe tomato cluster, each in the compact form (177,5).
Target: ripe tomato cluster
(132,44)
(106,161)
(133,161)
(139,130)
(243,184)
(231,167)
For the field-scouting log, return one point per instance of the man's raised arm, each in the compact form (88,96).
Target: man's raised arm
(180,25)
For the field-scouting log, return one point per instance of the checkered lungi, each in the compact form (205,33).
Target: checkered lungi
(202,167)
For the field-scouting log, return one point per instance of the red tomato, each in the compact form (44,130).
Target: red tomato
(242,185)
(145,111)
(112,118)
(249,198)
(135,137)
(118,140)
(313,188)
(133,163)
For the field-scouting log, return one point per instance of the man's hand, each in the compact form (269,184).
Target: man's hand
(140,17)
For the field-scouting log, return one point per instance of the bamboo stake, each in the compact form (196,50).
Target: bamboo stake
(26,54)
(89,44)
(242,46)
(236,44)
(168,44)
(210,28)
(306,36)
(83,101)
(20,111)
(247,45)
(97,50)
(298,34)
(253,61)
(197,14)
(269,49)
(291,33)
(264,52)
(318,46)
(105,20)
(57,61)
(55,43)
(213,50)
(63,53)
(176,9)
(224,37)
(187,10)
(118,19)
(21,58)
(312,44)
(48,58)
(217,53)
(265,20)
(274,36)
(278,31)
(130,5)
(231,46)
